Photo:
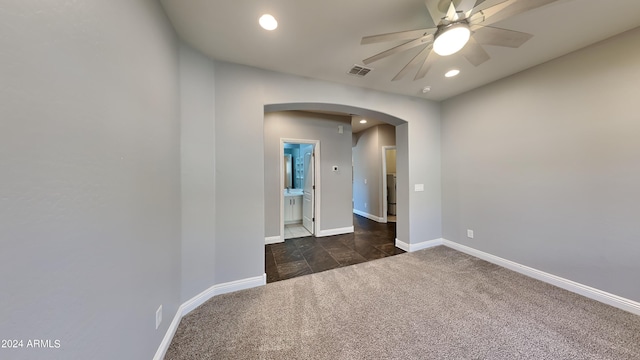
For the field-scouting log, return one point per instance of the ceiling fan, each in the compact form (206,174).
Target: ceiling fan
(461,25)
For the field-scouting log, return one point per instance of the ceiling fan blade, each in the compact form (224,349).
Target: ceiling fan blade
(406,46)
(426,65)
(501,37)
(474,52)
(452,14)
(401,35)
(481,5)
(481,16)
(508,9)
(416,59)
(434,12)
(485,4)
(467,5)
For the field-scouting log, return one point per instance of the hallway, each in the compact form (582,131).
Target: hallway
(296,257)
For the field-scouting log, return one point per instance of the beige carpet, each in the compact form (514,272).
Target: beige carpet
(431,304)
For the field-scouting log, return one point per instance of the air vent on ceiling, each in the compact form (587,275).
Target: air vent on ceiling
(358,70)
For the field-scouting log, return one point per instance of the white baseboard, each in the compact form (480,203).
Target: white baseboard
(200,299)
(168,336)
(220,289)
(584,290)
(419,246)
(273,240)
(338,231)
(369,216)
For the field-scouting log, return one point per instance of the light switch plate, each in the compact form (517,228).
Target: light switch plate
(419,187)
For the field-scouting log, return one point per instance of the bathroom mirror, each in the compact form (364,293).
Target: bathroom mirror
(288,173)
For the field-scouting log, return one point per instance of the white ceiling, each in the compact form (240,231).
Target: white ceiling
(321,38)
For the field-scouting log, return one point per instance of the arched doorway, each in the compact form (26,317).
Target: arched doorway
(272,186)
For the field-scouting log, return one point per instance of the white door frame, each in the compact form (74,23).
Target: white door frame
(384,182)
(316,164)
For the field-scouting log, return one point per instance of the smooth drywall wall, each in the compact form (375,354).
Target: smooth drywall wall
(239,186)
(90,190)
(544,166)
(425,207)
(242,93)
(386,136)
(390,155)
(367,165)
(403,193)
(365,169)
(197,106)
(335,149)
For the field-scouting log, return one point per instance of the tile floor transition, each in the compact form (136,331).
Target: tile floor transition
(294,231)
(307,255)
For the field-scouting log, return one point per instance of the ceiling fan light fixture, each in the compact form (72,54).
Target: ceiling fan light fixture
(451,39)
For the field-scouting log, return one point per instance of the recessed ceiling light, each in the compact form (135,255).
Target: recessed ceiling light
(452,73)
(268,22)
(426,89)
(363,121)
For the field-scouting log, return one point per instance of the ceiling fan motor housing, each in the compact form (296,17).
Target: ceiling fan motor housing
(451,38)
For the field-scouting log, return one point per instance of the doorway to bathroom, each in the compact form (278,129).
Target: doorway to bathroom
(300,188)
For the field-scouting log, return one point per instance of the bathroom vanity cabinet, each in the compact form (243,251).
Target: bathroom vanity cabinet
(292,209)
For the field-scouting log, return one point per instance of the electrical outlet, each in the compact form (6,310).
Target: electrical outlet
(365,205)
(158,317)
(470,234)
(365,181)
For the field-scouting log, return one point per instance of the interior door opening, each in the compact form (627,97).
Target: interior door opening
(299,189)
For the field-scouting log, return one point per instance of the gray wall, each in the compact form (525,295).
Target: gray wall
(390,155)
(91,149)
(542,165)
(90,189)
(197,133)
(335,149)
(403,194)
(545,167)
(241,95)
(425,208)
(367,164)
(386,136)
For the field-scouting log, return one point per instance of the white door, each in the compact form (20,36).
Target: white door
(309,190)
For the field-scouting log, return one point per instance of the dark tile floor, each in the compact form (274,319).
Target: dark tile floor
(302,256)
